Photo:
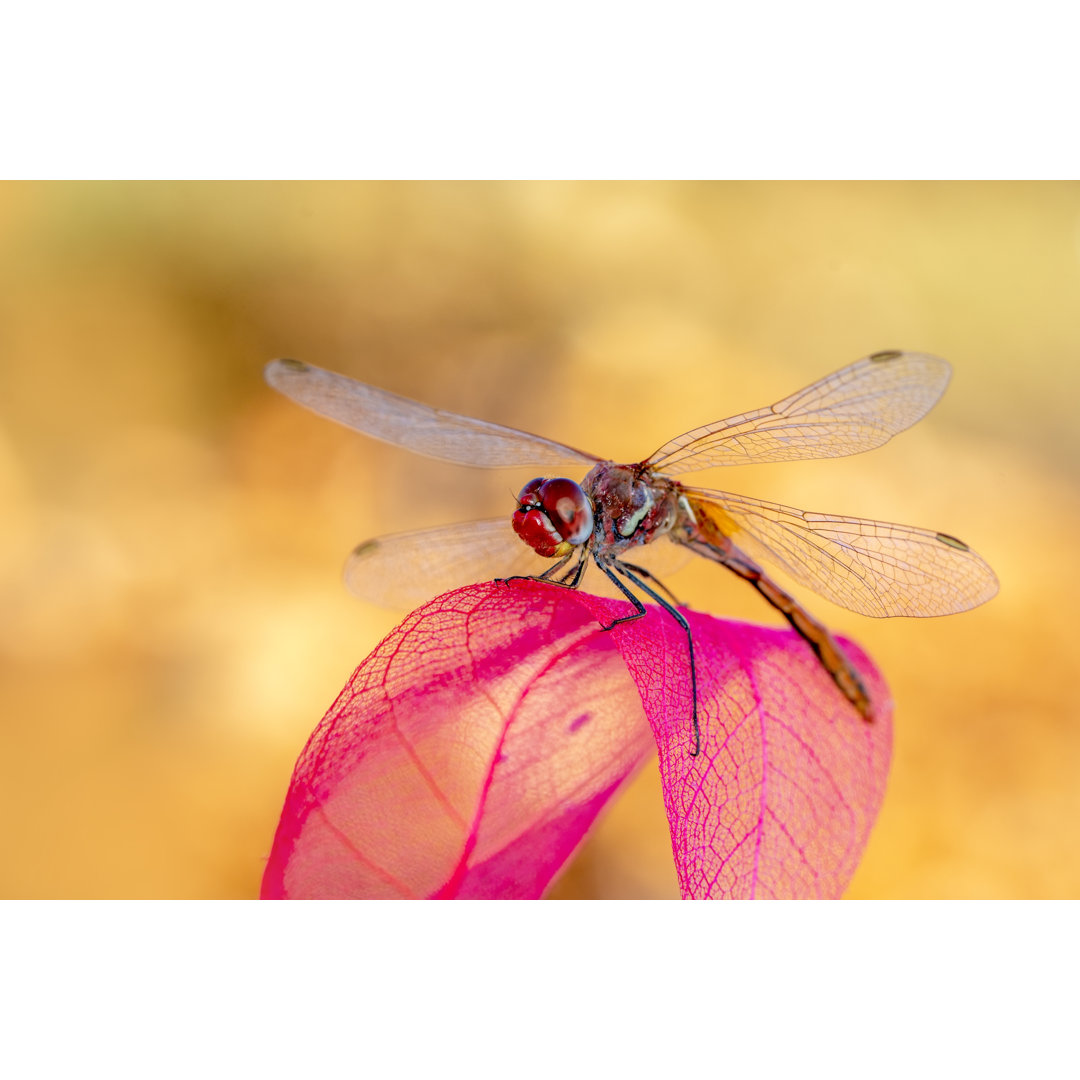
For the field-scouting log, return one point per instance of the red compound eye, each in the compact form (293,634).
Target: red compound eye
(532,525)
(553,516)
(567,508)
(528,495)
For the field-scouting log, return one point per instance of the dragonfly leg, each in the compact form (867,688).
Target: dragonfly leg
(654,579)
(572,578)
(545,576)
(639,613)
(549,574)
(551,571)
(828,652)
(677,615)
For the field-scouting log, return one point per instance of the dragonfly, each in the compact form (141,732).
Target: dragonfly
(617,513)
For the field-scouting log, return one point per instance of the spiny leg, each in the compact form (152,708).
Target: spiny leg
(828,652)
(653,578)
(639,613)
(545,576)
(577,572)
(674,613)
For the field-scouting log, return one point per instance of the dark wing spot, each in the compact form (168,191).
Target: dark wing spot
(366,548)
(887,354)
(945,538)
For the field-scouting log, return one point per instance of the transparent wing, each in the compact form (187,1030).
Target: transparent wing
(871,567)
(407,569)
(419,428)
(856,408)
(661,557)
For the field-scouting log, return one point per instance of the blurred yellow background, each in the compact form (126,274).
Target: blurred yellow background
(172,620)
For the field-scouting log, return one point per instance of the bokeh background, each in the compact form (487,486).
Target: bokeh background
(172,619)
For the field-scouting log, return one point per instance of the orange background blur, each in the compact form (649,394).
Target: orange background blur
(172,620)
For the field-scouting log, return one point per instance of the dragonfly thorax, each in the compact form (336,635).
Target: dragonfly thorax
(553,516)
(632,505)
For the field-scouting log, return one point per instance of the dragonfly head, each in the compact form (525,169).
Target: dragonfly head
(553,516)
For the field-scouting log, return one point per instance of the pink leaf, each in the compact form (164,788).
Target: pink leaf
(790,779)
(467,757)
(471,752)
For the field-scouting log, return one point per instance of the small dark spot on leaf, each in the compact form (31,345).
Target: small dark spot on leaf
(578,723)
(945,538)
(887,354)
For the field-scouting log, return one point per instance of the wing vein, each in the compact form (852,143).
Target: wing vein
(852,410)
(872,567)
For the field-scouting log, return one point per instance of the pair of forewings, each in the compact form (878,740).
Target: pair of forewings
(870,567)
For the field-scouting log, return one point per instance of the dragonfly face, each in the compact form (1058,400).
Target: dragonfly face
(553,516)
